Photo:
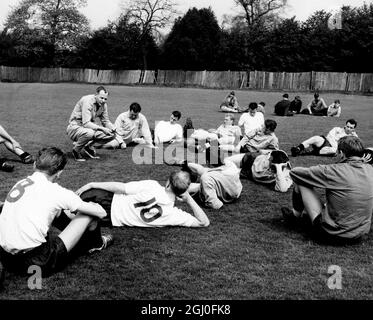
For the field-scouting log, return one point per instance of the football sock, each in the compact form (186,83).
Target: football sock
(297,202)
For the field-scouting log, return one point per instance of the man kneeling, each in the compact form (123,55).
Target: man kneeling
(146,203)
(348,187)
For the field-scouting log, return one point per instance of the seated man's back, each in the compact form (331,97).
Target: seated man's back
(349,195)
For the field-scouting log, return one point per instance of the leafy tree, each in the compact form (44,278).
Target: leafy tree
(55,22)
(193,42)
(116,47)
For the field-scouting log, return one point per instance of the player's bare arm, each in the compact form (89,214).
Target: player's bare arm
(114,187)
(92,209)
(203,220)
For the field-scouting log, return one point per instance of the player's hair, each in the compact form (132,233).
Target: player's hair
(233,93)
(253,105)
(188,128)
(231,116)
(337,101)
(279,156)
(135,107)
(101,88)
(297,98)
(262,103)
(351,146)
(179,182)
(352,121)
(285,96)
(50,160)
(176,114)
(270,124)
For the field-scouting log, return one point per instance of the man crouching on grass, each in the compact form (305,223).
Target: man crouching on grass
(31,207)
(348,185)
(146,203)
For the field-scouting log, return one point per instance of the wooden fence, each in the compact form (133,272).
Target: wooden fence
(258,80)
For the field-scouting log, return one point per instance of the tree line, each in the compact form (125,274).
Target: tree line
(50,33)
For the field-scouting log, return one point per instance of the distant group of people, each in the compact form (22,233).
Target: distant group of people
(37,202)
(316,107)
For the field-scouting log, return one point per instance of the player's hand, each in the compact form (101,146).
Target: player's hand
(85,188)
(106,131)
(367,157)
(184,197)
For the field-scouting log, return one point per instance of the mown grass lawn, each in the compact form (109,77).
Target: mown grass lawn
(247,252)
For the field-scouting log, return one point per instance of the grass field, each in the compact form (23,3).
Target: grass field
(247,252)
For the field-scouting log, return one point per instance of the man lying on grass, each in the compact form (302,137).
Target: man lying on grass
(31,207)
(348,188)
(325,146)
(270,167)
(214,186)
(146,203)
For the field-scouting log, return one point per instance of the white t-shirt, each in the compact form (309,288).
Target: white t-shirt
(146,204)
(335,135)
(165,131)
(29,210)
(251,123)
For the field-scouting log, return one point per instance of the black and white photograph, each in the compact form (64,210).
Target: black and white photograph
(185,157)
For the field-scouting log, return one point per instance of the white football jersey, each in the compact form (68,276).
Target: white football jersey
(29,210)
(147,204)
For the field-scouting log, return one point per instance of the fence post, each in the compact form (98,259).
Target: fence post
(203,82)
(361,82)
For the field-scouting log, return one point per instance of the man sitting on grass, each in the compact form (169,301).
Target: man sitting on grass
(268,167)
(348,188)
(252,120)
(12,145)
(230,103)
(146,203)
(325,146)
(282,108)
(262,138)
(335,109)
(169,131)
(31,207)
(316,107)
(132,126)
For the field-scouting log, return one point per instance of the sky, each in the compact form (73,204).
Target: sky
(99,12)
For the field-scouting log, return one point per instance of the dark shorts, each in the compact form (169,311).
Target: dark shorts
(102,197)
(321,235)
(50,256)
(316,150)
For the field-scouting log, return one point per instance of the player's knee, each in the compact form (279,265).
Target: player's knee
(89,134)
